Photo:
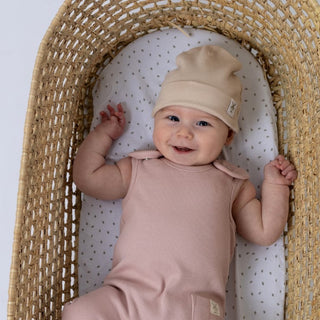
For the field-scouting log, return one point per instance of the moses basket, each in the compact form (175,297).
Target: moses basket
(283,35)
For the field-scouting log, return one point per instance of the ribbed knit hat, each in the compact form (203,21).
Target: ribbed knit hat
(204,80)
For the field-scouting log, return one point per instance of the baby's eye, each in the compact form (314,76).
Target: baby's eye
(203,123)
(173,118)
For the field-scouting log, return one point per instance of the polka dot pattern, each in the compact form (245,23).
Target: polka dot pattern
(255,288)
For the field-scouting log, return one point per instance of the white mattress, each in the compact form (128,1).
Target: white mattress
(256,284)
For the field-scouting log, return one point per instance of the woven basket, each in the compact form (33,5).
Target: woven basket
(284,37)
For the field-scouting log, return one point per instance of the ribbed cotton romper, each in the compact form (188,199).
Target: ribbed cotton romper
(176,242)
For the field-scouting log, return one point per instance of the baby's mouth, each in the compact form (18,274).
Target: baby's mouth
(182,149)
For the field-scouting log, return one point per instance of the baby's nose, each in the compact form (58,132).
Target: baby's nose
(185,132)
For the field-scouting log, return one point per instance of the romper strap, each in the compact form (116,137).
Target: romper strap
(231,169)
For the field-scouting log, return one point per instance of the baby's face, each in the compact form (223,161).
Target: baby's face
(189,136)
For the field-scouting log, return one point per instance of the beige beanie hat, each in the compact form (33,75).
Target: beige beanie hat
(204,80)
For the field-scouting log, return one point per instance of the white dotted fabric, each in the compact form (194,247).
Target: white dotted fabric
(257,275)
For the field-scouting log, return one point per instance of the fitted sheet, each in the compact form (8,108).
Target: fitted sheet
(256,283)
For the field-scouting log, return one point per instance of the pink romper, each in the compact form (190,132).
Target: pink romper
(177,239)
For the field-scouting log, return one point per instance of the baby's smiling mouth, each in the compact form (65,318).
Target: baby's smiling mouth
(182,149)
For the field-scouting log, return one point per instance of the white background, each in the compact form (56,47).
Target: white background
(22,27)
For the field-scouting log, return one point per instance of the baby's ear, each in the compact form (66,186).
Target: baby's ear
(229,137)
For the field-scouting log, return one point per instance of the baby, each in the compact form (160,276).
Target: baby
(181,205)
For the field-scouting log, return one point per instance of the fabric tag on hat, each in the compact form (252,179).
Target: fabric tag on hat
(232,108)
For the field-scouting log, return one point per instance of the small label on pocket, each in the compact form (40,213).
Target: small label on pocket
(206,307)
(214,308)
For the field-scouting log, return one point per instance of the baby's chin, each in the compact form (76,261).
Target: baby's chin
(186,156)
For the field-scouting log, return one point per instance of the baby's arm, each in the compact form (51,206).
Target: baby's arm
(90,172)
(263,222)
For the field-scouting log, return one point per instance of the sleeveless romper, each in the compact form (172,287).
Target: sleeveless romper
(176,242)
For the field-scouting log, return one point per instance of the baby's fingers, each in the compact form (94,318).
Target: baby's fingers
(113,115)
(111,110)
(290,173)
(104,116)
(283,164)
(292,176)
(120,115)
(287,169)
(119,107)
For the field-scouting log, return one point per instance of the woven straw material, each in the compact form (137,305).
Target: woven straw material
(284,37)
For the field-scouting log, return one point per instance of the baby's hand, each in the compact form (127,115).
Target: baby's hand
(114,122)
(280,171)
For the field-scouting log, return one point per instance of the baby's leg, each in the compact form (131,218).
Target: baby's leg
(103,303)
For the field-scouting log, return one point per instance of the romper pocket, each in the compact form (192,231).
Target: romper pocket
(206,308)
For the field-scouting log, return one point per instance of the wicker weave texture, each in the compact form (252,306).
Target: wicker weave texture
(284,37)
